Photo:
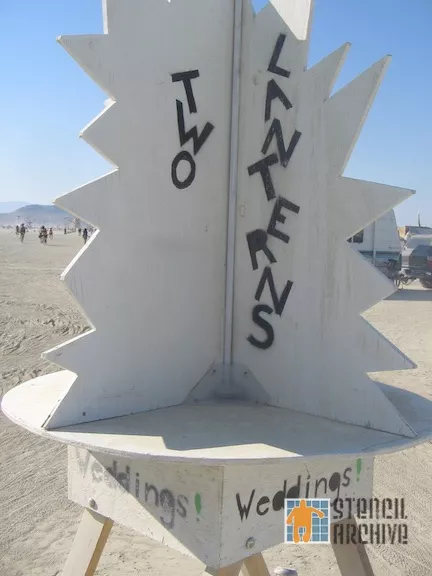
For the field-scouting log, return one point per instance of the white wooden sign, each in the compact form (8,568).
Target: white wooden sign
(185,506)
(220,268)
(274,288)
(152,280)
(299,286)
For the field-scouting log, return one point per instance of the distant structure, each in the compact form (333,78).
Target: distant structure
(413,230)
(379,241)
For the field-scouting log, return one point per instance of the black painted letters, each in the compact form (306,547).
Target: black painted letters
(186,78)
(263,167)
(323,487)
(275,91)
(278,302)
(276,130)
(273,67)
(186,135)
(266,326)
(258,239)
(257,242)
(187,157)
(277,216)
(192,134)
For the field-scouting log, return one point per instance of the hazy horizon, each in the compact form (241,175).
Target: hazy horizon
(42,157)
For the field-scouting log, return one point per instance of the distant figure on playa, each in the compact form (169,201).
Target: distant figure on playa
(79,231)
(85,235)
(17,230)
(65,231)
(51,233)
(43,235)
(22,232)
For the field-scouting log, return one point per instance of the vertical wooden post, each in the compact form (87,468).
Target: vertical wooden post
(233,183)
(352,558)
(255,566)
(232,570)
(88,544)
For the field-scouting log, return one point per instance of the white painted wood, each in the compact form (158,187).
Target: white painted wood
(345,113)
(312,365)
(255,566)
(171,271)
(256,500)
(377,353)
(352,268)
(159,260)
(178,505)
(322,76)
(209,479)
(297,14)
(94,199)
(90,52)
(99,133)
(88,545)
(361,203)
(210,512)
(261,433)
(233,178)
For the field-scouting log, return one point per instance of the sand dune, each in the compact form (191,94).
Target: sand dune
(37,523)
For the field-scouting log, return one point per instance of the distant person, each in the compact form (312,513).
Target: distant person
(51,233)
(22,232)
(43,235)
(79,231)
(65,231)
(17,230)
(85,235)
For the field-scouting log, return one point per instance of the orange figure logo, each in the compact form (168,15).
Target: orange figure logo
(301,517)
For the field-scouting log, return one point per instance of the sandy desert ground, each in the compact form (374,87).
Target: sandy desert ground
(37,523)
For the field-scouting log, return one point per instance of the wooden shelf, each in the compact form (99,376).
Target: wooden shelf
(214,433)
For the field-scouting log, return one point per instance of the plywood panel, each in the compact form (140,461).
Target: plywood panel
(253,501)
(211,512)
(299,289)
(177,505)
(153,283)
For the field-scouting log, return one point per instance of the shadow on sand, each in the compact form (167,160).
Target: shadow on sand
(412,295)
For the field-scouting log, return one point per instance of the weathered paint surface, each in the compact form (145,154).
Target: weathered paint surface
(209,512)
(299,286)
(216,433)
(253,503)
(155,293)
(179,505)
(152,280)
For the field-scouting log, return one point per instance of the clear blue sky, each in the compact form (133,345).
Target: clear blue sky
(46,99)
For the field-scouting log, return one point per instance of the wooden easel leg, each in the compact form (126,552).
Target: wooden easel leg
(252,566)
(88,544)
(255,566)
(352,559)
(233,570)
